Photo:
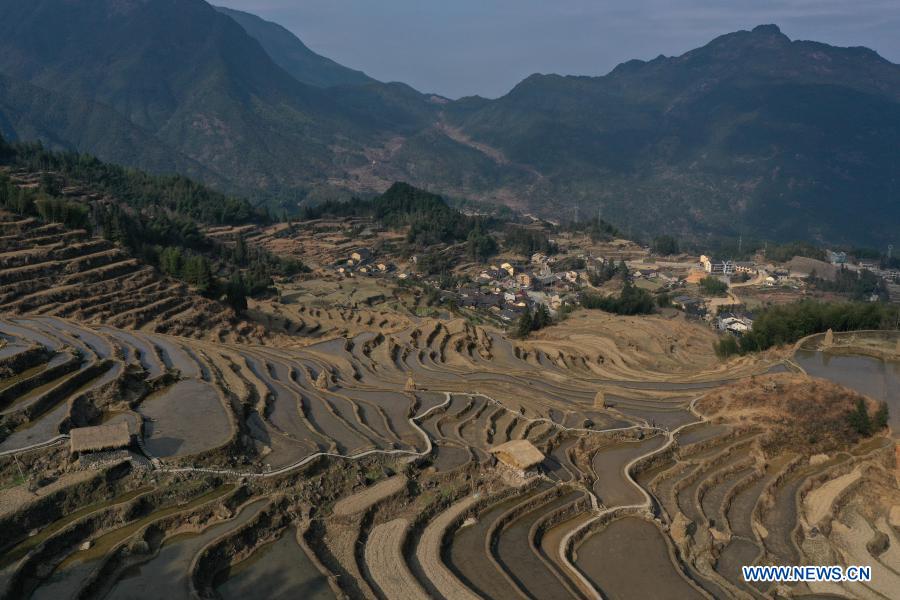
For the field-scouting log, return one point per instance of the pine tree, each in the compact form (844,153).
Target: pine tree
(859,419)
(526,322)
(236,294)
(541,317)
(240,251)
(881,417)
(170,261)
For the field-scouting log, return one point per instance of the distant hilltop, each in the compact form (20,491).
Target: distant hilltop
(753,133)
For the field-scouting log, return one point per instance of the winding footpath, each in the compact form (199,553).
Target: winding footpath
(580,578)
(647,505)
(413,421)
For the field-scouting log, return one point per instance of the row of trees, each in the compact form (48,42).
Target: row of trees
(527,241)
(595,227)
(197,270)
(165,235)
(608,271)
(665,245)
(713,286)
(865,425)
(36,203)
(529,321)
(859,285)
(787,323)
(429,218)
(632,300)
(136,188)
(480,245)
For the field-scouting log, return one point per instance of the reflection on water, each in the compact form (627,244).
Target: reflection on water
(628,559)
(277,570)
(873,377)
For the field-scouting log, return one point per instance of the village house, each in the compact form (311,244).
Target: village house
(690,305)
(746,267)
(543,281)
(717,267)
(361,255)
(735,324)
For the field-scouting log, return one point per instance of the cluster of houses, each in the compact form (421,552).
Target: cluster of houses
(362,262)
(508,289)
(715,266)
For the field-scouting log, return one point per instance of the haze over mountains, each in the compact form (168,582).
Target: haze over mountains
(752,133)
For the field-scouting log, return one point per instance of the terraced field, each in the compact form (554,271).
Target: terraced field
(46,269)
(362,466)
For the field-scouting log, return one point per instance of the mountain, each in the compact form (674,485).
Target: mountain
(292,55)
(751,134)
(190,79)
(31,113)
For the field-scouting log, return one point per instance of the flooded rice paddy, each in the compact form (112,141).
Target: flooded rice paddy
(620,558)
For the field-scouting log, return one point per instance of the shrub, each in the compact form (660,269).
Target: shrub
(727,346)
(632,301)
(712,286)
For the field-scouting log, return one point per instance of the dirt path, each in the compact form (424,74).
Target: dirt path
(851,537)
(384,557)
(817,503)
(14,498)
(428,553)
(363,499)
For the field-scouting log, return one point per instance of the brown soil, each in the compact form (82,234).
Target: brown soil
(798,414)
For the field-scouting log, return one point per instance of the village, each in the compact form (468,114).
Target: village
(502,290)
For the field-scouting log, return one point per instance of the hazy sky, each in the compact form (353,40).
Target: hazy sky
(464,47)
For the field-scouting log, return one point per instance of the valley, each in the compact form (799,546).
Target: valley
(273,328)
(355,454)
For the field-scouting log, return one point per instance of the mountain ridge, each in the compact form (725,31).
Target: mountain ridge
(292,55)
(752,133)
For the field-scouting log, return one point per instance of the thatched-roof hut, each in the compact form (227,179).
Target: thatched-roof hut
(322,380)
(101,437)
(519,456)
